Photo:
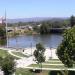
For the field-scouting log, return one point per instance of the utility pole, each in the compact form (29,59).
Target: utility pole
(6,28)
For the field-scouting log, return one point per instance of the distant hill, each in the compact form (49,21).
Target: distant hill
(34,19)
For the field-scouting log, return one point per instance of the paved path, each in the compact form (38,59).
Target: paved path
(72,69)
(3,48)
(54,61)
(10,52)
(24,62)
(51,64)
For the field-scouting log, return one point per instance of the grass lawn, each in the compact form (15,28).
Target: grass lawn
(53,62)
(20,54)
(4,53)
(48,66)
(27,72)
(21,71)
(57,60)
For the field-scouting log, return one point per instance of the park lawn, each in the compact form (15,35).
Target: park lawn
(4,53)
(56,60)
(52,62)
(20,54)
(47,66)
(21,71)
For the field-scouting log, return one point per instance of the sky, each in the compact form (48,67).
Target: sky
(37,8)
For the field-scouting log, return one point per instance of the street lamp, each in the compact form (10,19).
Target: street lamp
(51,53)
(31,48)
(6,29)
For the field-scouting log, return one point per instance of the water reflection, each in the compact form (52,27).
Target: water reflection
(24,41)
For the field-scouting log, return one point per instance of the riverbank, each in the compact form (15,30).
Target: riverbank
(18,33)
(23,62)
(49,53)
(28,63)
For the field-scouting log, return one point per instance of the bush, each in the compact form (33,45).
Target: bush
(55,73)
(59,73)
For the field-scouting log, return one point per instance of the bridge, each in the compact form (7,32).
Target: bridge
(58,30)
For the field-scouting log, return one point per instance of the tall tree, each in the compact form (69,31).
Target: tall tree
(72,21)
(66,50)
(39,54)
(44,28)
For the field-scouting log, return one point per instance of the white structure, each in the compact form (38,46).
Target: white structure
(39,25)
(1,72)
(1,20)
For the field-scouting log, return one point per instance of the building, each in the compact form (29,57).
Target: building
(1,72)
(2,20)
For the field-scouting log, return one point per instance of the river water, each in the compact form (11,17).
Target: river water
(24,41)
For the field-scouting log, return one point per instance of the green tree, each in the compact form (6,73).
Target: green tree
(8,65)
(72,21)
(66,50)
(36,28)
(2,35)
(44,28)
(39,54)
(57,24)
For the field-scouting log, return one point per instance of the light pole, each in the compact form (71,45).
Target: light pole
(31,40)
(31,48)
(51,53)
(6,28)
(16,43)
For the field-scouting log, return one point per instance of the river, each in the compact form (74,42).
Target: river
(24,41)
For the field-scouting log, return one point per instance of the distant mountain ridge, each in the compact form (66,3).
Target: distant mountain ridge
(34,19)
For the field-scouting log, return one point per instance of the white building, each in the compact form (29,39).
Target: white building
(2,20)
(1,72)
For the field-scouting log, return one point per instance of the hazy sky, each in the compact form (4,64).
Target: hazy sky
(37,8)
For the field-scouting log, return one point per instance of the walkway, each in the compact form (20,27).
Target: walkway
(10,52)
(23,62)
(72,69)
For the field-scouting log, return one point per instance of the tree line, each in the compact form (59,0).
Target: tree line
(46,26)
